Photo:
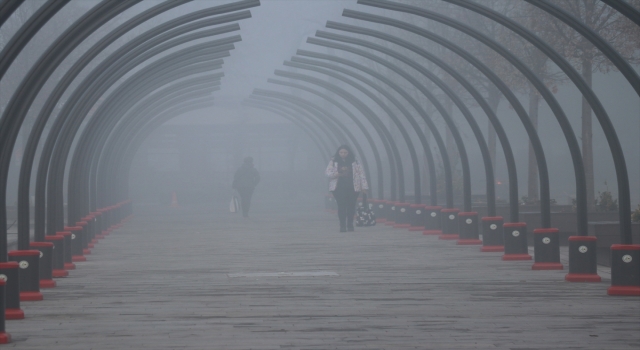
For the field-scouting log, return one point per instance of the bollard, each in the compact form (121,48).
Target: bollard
(98,224)
(89,233)
(58,256)
(515,241)
(403,216)
(449,219)
(28,274)
(9,274)
(468,226)
(433,224)
(391,213)
(546,248)
(492,234)
(583,264)
(380,209)
(625,270)
(68,262)
(76,242)
(418,217)
(4,336)
(46,263)
(84,242)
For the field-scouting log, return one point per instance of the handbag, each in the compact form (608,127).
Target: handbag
(364,215)
(233,205)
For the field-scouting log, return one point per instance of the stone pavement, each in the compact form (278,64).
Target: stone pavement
(203,278)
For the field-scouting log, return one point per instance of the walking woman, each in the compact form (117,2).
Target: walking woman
(347,181)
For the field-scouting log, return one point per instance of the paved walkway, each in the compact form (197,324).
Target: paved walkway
(202,278)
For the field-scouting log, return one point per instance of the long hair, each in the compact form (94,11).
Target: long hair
(350,157)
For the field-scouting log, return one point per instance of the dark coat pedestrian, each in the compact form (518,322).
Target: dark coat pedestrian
(244,181)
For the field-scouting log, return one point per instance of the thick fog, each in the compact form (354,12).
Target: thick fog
(196,152)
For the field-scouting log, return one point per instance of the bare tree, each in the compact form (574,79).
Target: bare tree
(619,32)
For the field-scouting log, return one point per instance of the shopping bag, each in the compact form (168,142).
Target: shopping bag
(234,205)
(364,215)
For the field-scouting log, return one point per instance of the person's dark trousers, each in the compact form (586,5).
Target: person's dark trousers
(346,201)
(245,200)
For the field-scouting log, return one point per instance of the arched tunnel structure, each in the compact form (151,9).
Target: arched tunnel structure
(412,116)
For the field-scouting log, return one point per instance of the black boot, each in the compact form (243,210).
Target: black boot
(343,225)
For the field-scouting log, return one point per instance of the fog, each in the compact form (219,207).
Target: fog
(196,152)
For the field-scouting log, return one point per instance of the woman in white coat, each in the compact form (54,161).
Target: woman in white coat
(347,181)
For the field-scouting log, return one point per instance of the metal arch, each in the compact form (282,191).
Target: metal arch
(77,106)
(183,25)
(87,95)
(351,116)
(490,182)
(425,117)
(45,112)
(90,135)
(29,87)
(143,82)
(624,198)
(504,141)
(557,110)
(26,32)
(336,134)
(7,8)
(304,63)
(311,132)
(125,164)
(322,114)
(109,175)
(623,66)
(333,130)
(429,95)
(383,132)
(130,122)
(394,118)
(61,150)
(625,9)
(85,162)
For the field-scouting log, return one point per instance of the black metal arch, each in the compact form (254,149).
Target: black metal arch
(298,105)
(405,135)
(624,194)
(423,141)
(352,117)
(556,109)
(390,147)
(29,87)
(543,173)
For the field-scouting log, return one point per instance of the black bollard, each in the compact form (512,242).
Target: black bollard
(583,264)
(379,209)
(84,234)
(625,270)
(391,213)
(9,274)
(46,263)
(546,248)
(492,234)
(68,262)
(5,337)
(418,217)
(58,256)
(433,224)
(468,226)
(403,215)
(89,233)
(449,217)
(76,243)
(515,241)
(29,273)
